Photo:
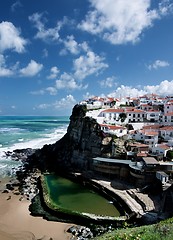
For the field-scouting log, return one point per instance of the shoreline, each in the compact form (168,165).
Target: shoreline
(16,223)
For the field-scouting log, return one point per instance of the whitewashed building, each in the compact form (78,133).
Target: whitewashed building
(160,149)
(153,115)
(119,131)
(135,115)
(166,132)
(111,115)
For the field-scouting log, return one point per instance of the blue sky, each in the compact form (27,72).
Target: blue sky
(56,53)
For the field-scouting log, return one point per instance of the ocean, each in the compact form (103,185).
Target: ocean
(19,132)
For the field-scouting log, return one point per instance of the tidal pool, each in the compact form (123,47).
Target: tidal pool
(72,196)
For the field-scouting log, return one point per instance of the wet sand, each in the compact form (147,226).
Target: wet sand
(16,223)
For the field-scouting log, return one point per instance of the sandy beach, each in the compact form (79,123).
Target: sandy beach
(16,223)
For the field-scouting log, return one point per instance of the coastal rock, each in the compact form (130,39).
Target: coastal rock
(81,232)
(82,141)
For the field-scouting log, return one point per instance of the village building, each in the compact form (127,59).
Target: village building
(135,115)
(166,133)
(160,149)
(111,115)
(150,119)
(153,115)
(168,107)
(162,176)
(167,118)
(119,131)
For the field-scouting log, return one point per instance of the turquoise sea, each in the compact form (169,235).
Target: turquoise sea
(18,132)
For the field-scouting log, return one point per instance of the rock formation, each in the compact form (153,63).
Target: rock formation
(82,141)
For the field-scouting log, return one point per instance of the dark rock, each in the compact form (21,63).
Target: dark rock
(9,187)
(5,191)
(82,141)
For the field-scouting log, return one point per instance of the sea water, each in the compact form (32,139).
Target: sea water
(20,132)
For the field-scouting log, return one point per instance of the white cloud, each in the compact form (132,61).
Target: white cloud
(88,64)
(164,88)
(4,71)
(10,38)
(31,69)
(39,92)
(53,73)
(49,34)
(45,53)
(88,95)
(158,64)
(15,6)
(43,106)
(109,82)
(51,90)
(67,81)
(165,7)
(122,21)
(65,103)
(71,45)
(127,91)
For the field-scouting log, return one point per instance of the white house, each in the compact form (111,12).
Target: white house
(160,149)
(167,118)
(138,135)
(166,132)
(135,115)
(111,115)
(148,137)
(145,107)
(153,115)
(168,107)
(151,138)
(162,176)
(119,131)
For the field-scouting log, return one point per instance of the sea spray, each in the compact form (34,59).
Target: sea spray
(18,132)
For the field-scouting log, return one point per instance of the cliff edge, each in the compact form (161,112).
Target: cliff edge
(82,141)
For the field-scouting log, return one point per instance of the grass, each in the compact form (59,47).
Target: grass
(160,231)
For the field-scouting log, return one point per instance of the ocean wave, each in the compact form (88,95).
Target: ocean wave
(11,130)
(23,140)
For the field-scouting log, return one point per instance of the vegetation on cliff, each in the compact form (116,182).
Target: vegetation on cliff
(159,231)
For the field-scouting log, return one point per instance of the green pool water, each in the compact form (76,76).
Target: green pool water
(72,196)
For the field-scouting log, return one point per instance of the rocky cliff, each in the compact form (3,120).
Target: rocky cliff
(82,141)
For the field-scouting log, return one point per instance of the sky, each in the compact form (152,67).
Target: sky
(56,53)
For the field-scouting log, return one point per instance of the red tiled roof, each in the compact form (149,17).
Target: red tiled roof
(114,110)
(149,133)
(163,146)
(167,128)
(155,126)
(153,110)
(168,114)
(134,111)
(142,154)
(112,127)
